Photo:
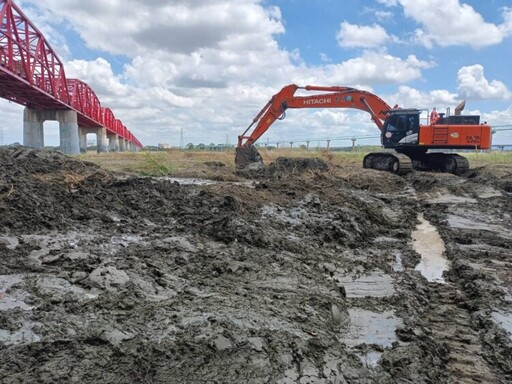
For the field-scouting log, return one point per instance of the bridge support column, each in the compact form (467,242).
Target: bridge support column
(33,132)
(102,140)
(68,129)
(113,143)
(122,144)
(82,138)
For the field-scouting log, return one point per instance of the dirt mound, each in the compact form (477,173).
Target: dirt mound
(499,176)
(297,165)
(286,167)
(290,279)
(16,159)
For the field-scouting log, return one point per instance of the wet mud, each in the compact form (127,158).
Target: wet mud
(303,273)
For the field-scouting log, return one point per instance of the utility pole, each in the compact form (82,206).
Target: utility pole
(181,138)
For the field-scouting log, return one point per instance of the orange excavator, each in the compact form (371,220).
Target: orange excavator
(400,128)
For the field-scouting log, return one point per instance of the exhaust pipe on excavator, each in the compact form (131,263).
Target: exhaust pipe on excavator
(248,158)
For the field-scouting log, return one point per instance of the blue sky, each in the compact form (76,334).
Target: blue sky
(205,68)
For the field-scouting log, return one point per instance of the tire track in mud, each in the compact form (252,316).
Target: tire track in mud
(451,327)
(459,315)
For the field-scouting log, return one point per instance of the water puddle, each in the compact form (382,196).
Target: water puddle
(125,240)
(25,335)
(10,242)
(12,298)
(190,181)
(45,244)
(385,239)
(118,243)
(508,295)
(371,359)
(289,216)
(376,284)
(398,266)
(504,320)
(367,327)
(204,182)
(429,244)
(59,288)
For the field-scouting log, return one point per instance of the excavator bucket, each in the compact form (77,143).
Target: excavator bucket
(247,158)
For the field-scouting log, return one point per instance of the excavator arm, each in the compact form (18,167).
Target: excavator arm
(336,97)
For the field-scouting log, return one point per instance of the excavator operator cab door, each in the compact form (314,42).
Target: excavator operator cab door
(401,128)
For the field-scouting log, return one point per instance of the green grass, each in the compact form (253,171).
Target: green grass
(489,158)
(156,165)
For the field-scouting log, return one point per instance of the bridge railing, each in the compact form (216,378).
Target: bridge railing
(84,99)
(25,52)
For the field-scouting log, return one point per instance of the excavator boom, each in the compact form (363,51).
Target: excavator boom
(336,97)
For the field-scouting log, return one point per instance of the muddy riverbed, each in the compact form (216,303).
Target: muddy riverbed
(303,273)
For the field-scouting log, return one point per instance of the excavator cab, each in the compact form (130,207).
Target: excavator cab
(401,128)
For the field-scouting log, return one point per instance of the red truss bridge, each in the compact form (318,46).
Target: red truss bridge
(31,74)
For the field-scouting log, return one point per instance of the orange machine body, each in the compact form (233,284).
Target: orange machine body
(453,136)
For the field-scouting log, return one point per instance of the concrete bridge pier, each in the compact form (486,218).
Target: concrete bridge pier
(33,130)
(122,144)
(68,130)
(102,140)
(82,138)
(113,142)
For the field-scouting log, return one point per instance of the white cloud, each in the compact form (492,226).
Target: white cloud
(473,84)
(409,97)
(496,117)
(506,27)
(351,35)
(388,3)
(98,74)
(384,15)
(180,26)
(377,68)
(325,58)
(450,22)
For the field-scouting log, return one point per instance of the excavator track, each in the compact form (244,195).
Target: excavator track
(456,164)
(441,162)
(390,162)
